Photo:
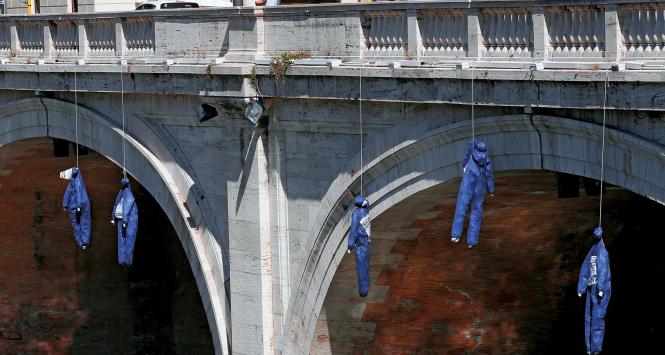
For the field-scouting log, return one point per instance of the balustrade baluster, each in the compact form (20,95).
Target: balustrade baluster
(446,31)
(442,29)
(501,40)
(639,37)
(461,32)
(428,33)
(401,36)
(660,29)
(566,30)
(512,22)
(378,25)
(599,33)
(633,29)
(527,32)
(649,35)
(588,25)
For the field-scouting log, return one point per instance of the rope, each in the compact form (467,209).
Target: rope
(76,118)
(473,125)
(360,108)
(360,114)
(122,108)
(602,153)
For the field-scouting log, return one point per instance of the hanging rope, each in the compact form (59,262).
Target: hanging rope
(360,110)
(602,153)
(122,108)
(76,117)
(473,125)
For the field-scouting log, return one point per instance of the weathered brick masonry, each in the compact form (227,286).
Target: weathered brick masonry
(515,293)
(55,298)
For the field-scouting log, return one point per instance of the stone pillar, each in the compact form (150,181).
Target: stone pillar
(541,37)
(15,45)
(47,45)
(475,36)
(120,42)
(414,44)
(82,39)
(250,250)
(354,37)
(279,208)
(246,36)
(613,41)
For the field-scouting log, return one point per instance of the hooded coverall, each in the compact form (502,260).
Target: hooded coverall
(596,281)
(477,179)
(77,205)
(359,238)
(126,213)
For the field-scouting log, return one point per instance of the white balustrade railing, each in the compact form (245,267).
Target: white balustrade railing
(30,36)
(431,31)
(65,38)
(507,32)
(139,35)
(386,34)
(443,33)
(643,30)
(105,36)
(100,37)
(577,31)
(5,38)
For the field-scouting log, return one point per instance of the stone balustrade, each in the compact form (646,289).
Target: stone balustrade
(443,33)
(643,29)
(105,37)
(428,31)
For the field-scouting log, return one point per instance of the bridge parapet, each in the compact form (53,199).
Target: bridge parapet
(106,37)
(431,31)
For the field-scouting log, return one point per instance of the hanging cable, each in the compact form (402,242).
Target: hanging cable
(76,117)
(473,125)
(122,108)
(602,153)
(360,114)
(360,111)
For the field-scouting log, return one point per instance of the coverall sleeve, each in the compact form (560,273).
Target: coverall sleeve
(468,152)
(603,271)
(490,177)
(68,195)
(583,282)
(127,212)
(79,192)
(353,232)
(117,200)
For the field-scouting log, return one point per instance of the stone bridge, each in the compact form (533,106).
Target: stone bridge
(261,210)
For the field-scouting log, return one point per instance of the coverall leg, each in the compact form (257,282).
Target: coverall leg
(464,197)
(476,219)
(362,268)
(599,310)
(75,218)
(84,226)
(121,243)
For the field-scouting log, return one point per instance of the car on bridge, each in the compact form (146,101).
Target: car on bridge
(182,4)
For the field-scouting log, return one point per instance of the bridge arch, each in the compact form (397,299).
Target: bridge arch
(406,160)
(149,161)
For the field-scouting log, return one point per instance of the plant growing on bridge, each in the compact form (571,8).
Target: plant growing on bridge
(284,61)
(254,82)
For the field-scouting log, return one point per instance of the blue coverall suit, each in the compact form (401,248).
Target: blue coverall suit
(477,179)
(596,281)
(77,205)
(359,239)
(126,214)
